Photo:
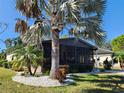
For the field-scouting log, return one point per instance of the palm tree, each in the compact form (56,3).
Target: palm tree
(84,15)
(28,56)
(119,55)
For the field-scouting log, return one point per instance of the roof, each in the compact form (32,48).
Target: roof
(74,42)
(104,51)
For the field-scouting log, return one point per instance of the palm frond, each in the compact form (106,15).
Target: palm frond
(70,8)
(21,26)
(93,6)
(85,15)
(29,8)
(35,34)
(44,5)
(89,28)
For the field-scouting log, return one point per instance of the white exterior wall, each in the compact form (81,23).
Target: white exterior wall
(103,57)
(9,57)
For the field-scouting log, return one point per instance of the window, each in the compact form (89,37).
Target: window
(81,59)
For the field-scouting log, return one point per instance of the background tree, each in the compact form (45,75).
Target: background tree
(84,15)
(118,48)
(118,43)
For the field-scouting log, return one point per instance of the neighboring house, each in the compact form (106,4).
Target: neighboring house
(76,53)
(102,55)
(9,57)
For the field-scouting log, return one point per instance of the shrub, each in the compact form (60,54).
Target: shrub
(61,73)
(5,64)
(1,63)
(107,65)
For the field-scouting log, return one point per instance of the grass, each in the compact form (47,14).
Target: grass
(87,83)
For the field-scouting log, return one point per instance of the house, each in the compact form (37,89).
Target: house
(74,52)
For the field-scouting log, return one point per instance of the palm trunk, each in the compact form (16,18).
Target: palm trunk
(29,68)
(35,71)
(55,53)
(55,41)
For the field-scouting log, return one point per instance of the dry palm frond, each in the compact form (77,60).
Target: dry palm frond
(29,8)
(24,6)
(21,26)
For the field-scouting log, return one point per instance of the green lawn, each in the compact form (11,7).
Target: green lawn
(84,84)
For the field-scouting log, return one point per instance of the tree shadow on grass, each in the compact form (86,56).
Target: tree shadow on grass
(89,77)
(77,76)
(112,81)
(73,84)
(100,79)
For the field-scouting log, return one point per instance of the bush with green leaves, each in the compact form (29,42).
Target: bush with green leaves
(2,56)
(1,63)
(5,64)
(118,48)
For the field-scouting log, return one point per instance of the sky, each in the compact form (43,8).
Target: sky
(113,19)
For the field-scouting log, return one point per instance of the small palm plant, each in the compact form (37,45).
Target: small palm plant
(119,55)
(29,57)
